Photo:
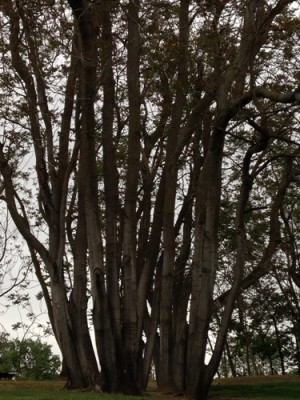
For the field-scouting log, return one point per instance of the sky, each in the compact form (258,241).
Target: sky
(28,328)
(28,317)
(27,322)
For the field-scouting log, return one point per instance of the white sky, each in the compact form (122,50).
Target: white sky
(12,314)
(17,314)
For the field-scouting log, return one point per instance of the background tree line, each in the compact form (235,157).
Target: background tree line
(149,154)
(28,358)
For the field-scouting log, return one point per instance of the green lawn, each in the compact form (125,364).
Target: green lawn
(284,391)
(51,390)
(258,388)
(54,391)
(254,388)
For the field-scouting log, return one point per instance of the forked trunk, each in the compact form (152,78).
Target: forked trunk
(205,262)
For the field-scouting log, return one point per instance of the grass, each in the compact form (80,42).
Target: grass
(257,388)
(248,388)
(49,390)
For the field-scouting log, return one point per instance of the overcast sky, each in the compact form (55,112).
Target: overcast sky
(29,327)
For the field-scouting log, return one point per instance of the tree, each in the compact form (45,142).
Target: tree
(30,359)
(260,339)
(131,151)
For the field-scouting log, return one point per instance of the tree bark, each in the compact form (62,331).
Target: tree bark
(129,260)
(165,378)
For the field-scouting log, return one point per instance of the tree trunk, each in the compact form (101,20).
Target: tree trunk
(230,360)
(279,346)
(166,379)
(204,264)
(129,261)
(86,17)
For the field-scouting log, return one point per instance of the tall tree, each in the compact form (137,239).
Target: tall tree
(137,155)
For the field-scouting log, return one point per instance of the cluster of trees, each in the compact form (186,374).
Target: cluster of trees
(262,339)
(264,331)
(28,359)
(149,157)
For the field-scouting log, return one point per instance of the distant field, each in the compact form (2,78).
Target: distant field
(242,388)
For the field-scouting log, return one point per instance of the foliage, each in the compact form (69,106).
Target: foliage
(30,359)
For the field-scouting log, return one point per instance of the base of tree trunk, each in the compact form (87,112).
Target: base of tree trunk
(95,388)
